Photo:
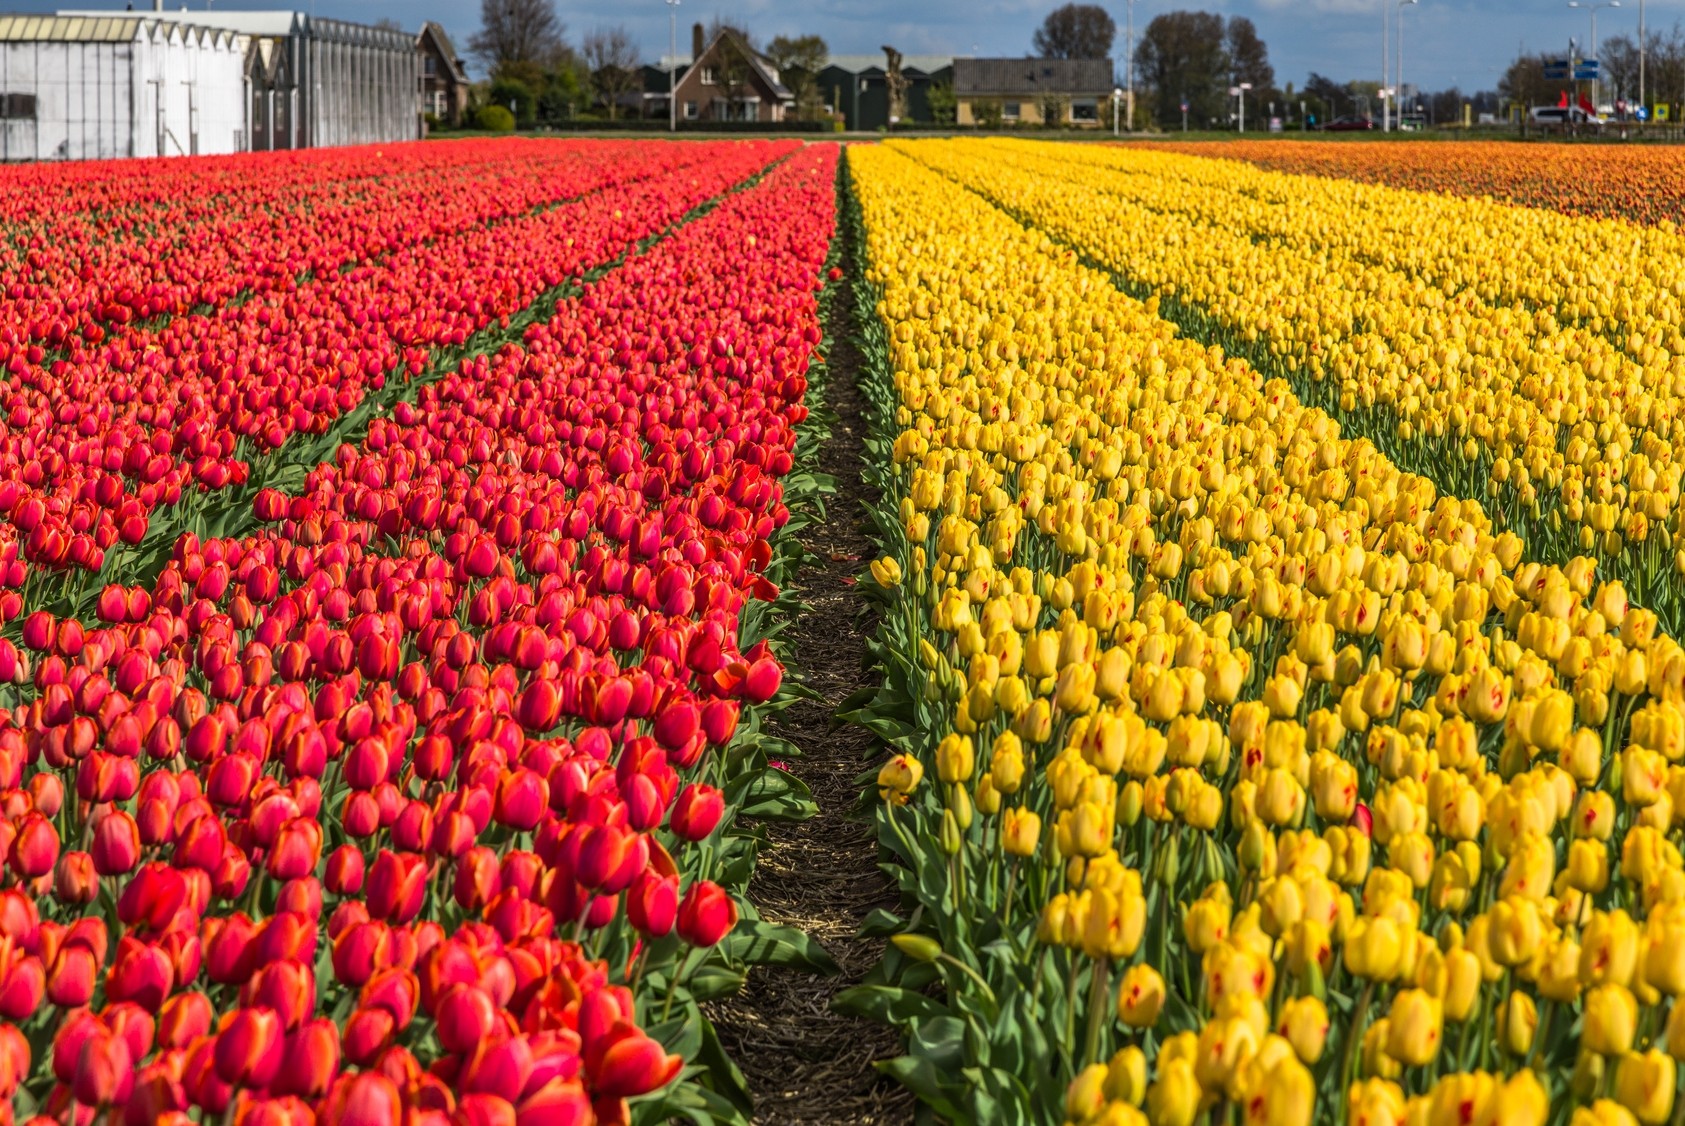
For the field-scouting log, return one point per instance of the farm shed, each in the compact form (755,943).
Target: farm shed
(98,87)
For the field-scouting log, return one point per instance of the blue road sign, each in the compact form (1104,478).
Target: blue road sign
(1641,113)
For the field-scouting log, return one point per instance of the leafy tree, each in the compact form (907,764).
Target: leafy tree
(944,107)
(799,62)
(1181,57)
(517,32)
(987,112)
(1052,111)
(613,62)
(1249,59)
(567,88)
(1076,31)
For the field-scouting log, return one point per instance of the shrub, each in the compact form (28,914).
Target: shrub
(494,119)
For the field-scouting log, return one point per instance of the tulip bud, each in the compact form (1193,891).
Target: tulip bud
(707,914)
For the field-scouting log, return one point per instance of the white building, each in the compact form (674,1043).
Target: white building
(85,85)
(315,82)
(98,87)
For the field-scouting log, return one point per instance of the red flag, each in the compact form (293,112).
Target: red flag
(1585,104)
(1562,100)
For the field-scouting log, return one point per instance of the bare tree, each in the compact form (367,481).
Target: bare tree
(613,61)
(526,33)
(1076,31)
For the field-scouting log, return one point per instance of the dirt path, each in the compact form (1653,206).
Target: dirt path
(804,1063)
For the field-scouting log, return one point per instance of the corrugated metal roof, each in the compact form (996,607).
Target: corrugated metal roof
(928,64)
(69,29)
(1032,76)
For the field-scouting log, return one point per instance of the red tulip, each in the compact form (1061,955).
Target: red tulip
(707,914)
(249,1048)
(466,1015)
(652,904)
(345,871)
(310,1060)
(697,811)
(364,1099)
(104,1071)
(70,982)
(397,886)
(116,847)
(183,1019)
(35,849)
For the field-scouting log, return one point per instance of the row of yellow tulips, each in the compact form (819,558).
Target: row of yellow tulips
(1438,325)
(1258,776)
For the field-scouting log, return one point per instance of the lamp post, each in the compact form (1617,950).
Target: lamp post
(1129,60)
(1592,8)
(1398,75)
(672,66)
(1242,88)
(1385,119)
(1117,105)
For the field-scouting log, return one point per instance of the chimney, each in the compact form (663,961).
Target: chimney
(696,44)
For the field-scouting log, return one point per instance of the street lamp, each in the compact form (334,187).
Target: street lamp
(1592,8)
(673,66)
(1129,59)
(1382,92)
(1241,90)
(1117,106)
(1399,76)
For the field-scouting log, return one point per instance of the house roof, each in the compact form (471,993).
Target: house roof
(763,66)
(1031,77)
(446,47)
(927,64)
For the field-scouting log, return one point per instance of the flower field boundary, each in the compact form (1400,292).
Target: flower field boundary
(229,512)
(1460,468)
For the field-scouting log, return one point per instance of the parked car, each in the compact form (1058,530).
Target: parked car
(1563,117)
(1348,124)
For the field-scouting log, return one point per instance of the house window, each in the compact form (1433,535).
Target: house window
(430,66)
(1010,111)
(690,111)
(17,107)
(709,78)
(1085,109)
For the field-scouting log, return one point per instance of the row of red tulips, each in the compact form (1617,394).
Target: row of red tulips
(416,804)
(118,425)
(213,241)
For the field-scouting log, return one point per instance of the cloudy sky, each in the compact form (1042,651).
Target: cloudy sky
(1447,42)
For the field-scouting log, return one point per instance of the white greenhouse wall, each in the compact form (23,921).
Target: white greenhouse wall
(161,93)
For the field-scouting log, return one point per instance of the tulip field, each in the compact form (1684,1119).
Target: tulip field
(1279,607)
(392,544)
(1274,612)
(1643,184)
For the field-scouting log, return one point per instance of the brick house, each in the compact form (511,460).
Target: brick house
(723,80)
(444,80)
